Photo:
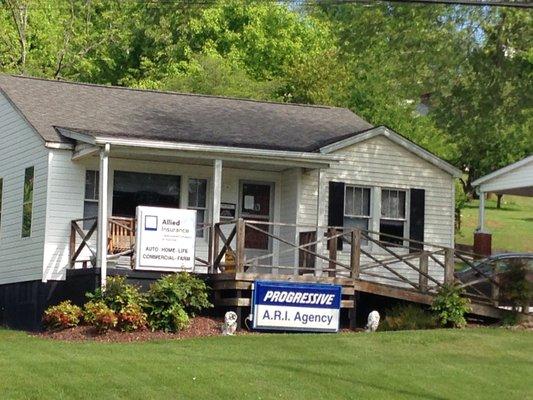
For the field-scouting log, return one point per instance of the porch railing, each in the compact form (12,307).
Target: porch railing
(366,255)
(310,249)
(120,241)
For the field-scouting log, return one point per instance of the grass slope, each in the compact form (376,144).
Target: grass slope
(439,364)
(511,226)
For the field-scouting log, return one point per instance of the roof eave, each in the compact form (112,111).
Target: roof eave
(502,171)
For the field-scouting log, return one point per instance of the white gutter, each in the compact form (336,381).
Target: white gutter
(240,151)
(265,154)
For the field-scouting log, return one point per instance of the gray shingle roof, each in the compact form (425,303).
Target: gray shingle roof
(175,117)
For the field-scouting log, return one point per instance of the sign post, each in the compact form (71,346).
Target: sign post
(298,307)
(165,239)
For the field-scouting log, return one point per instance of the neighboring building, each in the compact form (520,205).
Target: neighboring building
(304,166)
(514,179)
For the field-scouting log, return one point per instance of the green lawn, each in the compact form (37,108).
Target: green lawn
(511,226)
(441,364)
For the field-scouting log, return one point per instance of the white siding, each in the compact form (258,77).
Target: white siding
(379,162)
(21,259)
(66,186)
(290,183)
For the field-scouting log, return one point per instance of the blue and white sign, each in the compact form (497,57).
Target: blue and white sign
(165,239)
(294,306)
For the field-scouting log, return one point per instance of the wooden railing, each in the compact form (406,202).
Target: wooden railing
(366,255)
(420,266)
(76,249)
(120,241)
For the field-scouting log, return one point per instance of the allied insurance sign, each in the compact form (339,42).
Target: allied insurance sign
(165,239)
(298,307)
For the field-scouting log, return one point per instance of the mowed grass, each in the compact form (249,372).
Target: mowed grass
(511,226)
(440,364)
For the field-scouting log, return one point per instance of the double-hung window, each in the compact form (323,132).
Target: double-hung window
(27,202)
(198,201)
(393,216)
(356,207)
(90,204)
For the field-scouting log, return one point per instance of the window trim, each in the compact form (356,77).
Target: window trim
(96,192)
(370,217)
(407,219)
(207,202)
(370,207)
(26,202)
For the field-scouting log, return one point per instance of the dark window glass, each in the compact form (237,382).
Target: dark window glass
(132,189)
(90,205)
(27,202)
(357,208)
(392,220)
(197,201)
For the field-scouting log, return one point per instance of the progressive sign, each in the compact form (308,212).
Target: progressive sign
(298,307)
(165,239)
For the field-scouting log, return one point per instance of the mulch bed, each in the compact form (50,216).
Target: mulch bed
(199,327)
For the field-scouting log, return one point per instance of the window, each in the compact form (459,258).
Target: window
(27,202)
(197,201)
(1,187)
(393,218)
(132,189)
(356,207)
(90,204)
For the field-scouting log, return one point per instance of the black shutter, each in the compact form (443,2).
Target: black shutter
(416,216)
(336,207)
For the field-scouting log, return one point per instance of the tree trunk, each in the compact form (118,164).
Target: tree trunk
(499,201)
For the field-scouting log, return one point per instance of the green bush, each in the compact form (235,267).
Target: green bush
(98,314)
(64,315)
(117,294)
(408,317)
(450,306)
(131,318)
(173,298)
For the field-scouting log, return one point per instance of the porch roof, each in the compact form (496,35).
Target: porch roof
(123,113)
(515,179)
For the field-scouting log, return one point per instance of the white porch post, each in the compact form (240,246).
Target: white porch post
(101,252)
(215,211)
(481,219)
(217,188)
(321,220)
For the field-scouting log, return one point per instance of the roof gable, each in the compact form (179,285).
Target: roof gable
(396,138)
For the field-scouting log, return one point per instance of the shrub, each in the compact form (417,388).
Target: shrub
(131,318)
(117,294)
(450,306)
(173,298)
(64,315)
(408,317)
(99,315)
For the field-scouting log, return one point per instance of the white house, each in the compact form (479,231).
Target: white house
(72,151)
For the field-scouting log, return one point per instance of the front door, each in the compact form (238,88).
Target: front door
(256,204)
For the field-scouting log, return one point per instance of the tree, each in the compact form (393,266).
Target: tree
(393,54)
(488,108)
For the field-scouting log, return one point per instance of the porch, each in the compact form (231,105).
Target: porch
(358,260)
